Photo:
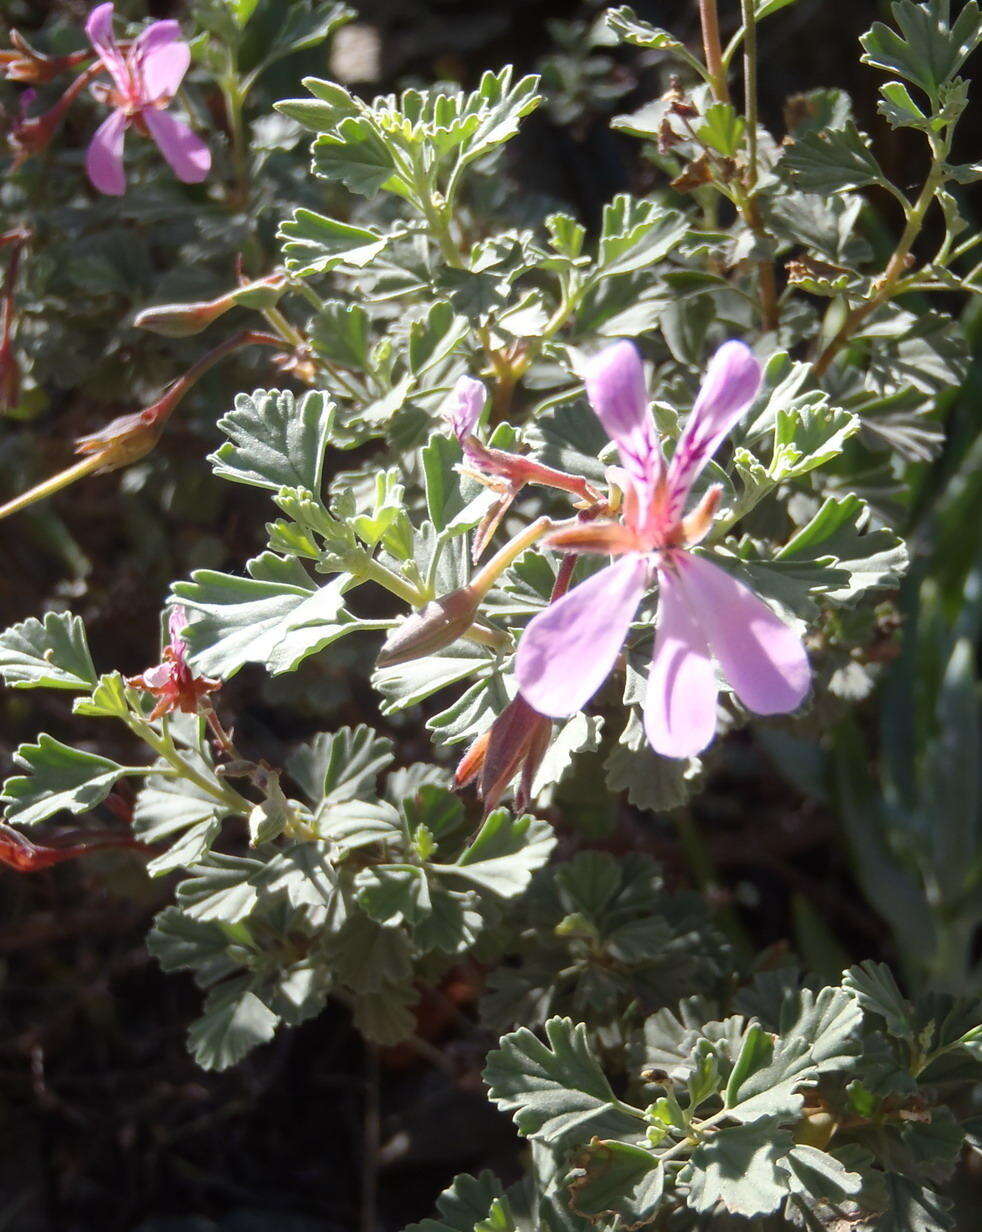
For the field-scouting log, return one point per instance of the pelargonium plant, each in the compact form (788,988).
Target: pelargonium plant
(585,508)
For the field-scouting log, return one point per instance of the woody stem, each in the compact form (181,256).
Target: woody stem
(709,18)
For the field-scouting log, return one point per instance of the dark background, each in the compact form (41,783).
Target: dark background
(105,1122)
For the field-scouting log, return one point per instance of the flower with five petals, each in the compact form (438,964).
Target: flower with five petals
(706,616)
(145,77)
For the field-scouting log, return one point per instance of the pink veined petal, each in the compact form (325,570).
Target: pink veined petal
(568,651)
(680,703)
(189,157)
(730,385)
(762,658)
(161,57)
(465,406)
(104,157)
(157,677)
(176,624)
(99,29)
(615,386)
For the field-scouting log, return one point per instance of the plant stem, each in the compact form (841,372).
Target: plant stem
(895,267)
(709,17)
(164,747)
(286,331)
(498,563)
(371,570)
(750,88)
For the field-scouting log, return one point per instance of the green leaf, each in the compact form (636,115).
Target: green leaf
(340,335)
(405,684)
(504,854)
(341,765)
(806,438)
(220,888)
(462,1207)
(629,29)
(302,26)
(233,1022)
(913,1207)
(820,1176)
(306,873)
(439,919)
(239,620)
(314,244)
(181,944)
(386,1017)
(616,1179)
(635,234)
(651,781)
(107,700)
(832,161)
(59,777)
(739,1168)
(500,107)
(317,622)
(873,986)
(767,1077)
(900,109)
(357,156)
(928,51)
(371,959)
(274,441)
(322,113)
(837,537)
(52,654)
(555,1089)
(434,337)
(175,809)
(723,129)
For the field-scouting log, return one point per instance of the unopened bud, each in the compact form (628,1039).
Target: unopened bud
(516,742)
(184,320)
(438,624)
(181,320)
(22,62)
(123,440)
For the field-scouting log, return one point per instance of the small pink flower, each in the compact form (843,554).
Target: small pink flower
(145,79)
(504,473)
(568,650)
(172,682)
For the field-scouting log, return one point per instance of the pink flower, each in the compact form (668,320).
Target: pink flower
(705,614)
(145,79)
(172,682)
(504,473)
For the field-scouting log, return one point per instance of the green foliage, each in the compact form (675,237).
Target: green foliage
(657,1084)
(48,654)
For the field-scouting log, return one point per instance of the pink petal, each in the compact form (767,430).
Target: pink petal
(157,677)
(99,29)
(176,624)
(616,389)
(162,58)
(762,658)
(568,651)
(104,157)
(731,384)
(680,703)
(189,157)
(466,404)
